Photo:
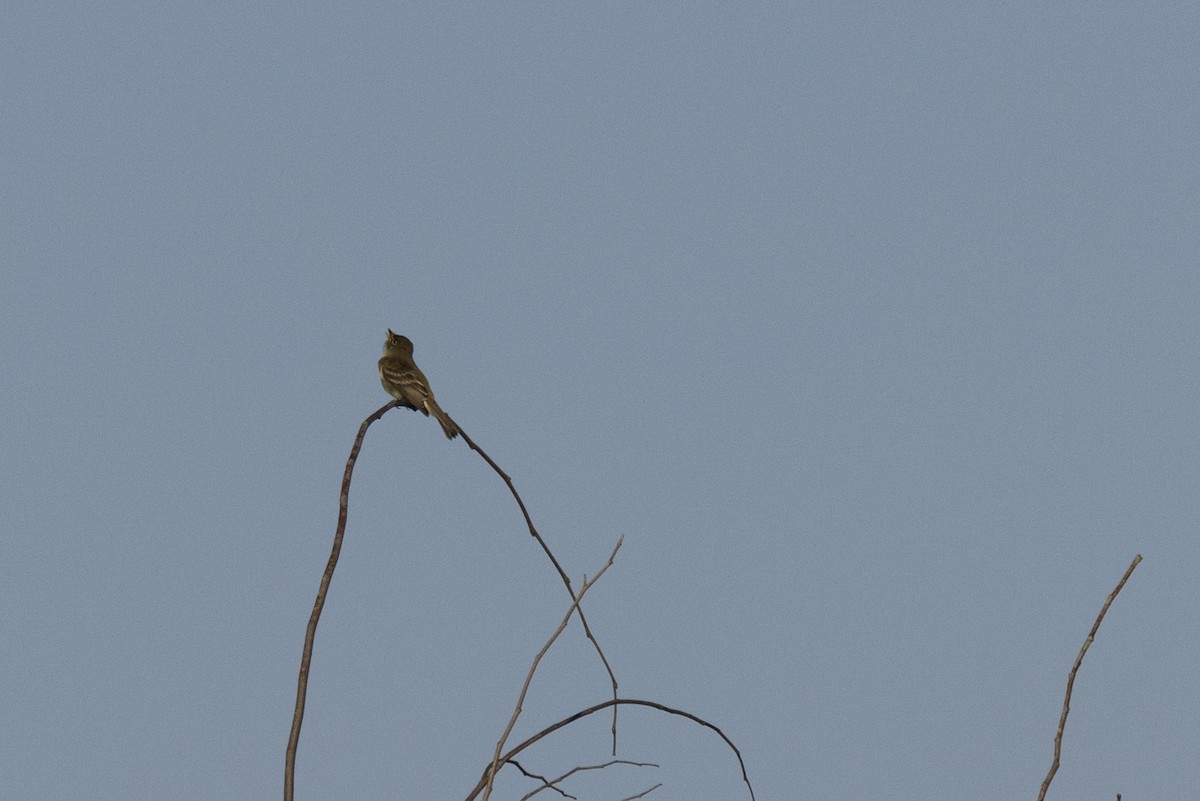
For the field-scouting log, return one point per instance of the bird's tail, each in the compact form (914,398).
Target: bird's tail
(444,419)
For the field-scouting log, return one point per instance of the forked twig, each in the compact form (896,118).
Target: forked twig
(1062,721)
(546,783)
(552,784)
(587,585)
(289,770)
(554,561)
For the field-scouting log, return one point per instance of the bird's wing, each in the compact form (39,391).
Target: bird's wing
(406,384)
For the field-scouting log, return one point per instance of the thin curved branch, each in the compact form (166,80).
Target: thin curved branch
(554,561)
(583,713)
(1062,721)
(289,770)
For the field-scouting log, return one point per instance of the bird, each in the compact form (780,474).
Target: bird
(405,382)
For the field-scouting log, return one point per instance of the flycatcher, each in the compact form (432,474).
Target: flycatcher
(405,382)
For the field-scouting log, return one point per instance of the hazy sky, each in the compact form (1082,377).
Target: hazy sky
(872,327)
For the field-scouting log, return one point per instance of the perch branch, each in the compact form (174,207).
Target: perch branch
(289,770)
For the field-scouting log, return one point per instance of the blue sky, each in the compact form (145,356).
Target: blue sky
(871,327)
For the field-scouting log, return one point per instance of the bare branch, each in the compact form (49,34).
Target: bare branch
(289,770)
(587,585)
(1062,721)
(642,794)
(546,783)
(552,784)
(587,630)
(583,713)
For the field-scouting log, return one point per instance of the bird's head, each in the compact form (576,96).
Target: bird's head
(397,342)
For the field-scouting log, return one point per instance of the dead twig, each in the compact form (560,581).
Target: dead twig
(1062,721)
(587,585)
(546,783)
(643,793)
(552,784)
